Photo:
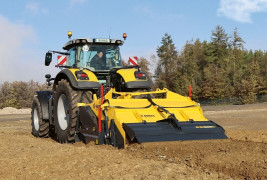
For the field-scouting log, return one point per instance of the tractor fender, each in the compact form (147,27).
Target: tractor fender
(84,85)
(43,97)
(132,82)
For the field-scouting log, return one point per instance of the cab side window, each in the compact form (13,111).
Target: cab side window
(71,57)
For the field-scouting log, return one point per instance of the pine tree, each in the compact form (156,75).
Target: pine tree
(191,55)
(216,83)
(167,66)
(236,56)
(219,47)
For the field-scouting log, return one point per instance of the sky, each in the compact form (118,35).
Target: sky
(29,28)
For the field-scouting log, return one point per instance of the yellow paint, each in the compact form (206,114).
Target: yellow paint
(91,75)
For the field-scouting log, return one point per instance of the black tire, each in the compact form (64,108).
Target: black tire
(40,128)
(65,110)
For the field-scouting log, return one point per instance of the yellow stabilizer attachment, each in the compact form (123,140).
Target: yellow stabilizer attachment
(141,117)
(169,118)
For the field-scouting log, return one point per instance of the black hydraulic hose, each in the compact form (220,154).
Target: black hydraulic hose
(121,107)
(159,107)
(182,106)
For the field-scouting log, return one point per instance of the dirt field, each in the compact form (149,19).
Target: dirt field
(242,156)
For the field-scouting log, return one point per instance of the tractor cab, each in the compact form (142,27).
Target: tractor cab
(94,54)
(91,62)
(98,55)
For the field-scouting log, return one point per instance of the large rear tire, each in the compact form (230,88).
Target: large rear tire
(65,110)
(40,128)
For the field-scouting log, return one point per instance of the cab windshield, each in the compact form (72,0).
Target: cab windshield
(95,57)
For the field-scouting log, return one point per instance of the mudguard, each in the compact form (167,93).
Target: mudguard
(43,97)
(132,82)
(69,74)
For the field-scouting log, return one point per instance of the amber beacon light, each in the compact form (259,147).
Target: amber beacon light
(69,34)
(124,36)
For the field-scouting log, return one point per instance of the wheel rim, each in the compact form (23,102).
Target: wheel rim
(36,119)
(63,111)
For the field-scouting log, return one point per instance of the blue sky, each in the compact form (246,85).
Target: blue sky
(29,28)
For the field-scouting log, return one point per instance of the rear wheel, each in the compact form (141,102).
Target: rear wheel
(40,128)
(65,110)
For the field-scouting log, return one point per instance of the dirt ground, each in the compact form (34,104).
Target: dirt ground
(242,156)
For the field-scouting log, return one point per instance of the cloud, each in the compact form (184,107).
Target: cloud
(35,8)
(241,10)
(18,57)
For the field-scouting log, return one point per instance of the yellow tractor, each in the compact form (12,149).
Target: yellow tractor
(95,98)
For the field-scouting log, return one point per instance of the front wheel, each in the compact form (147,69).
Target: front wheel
(40,128)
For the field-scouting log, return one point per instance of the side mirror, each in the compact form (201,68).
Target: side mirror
(48,76)
(48,58)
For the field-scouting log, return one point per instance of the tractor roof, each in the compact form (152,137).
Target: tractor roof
(80,41)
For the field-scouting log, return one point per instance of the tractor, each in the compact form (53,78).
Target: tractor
(95,98)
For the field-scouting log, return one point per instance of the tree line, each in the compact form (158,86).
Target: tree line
(19,94)
(217,69)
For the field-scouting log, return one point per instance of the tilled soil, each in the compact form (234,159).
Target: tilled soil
(242,156)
